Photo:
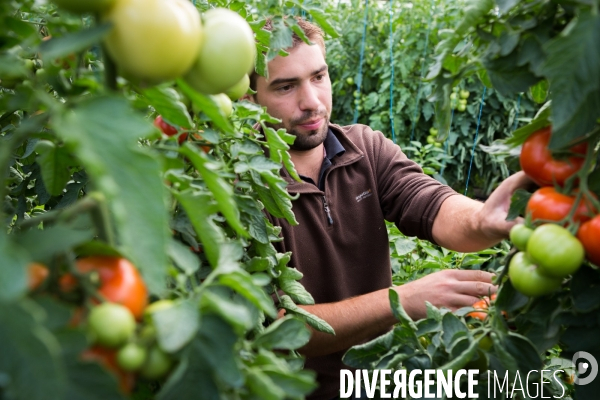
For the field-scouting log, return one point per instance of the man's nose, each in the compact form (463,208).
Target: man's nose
(309,97)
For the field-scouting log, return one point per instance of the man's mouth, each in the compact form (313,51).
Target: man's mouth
(312,124)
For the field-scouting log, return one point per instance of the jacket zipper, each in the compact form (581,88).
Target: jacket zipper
(327,210)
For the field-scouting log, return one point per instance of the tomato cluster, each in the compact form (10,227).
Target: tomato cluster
(121,328)
(482,307)
(551,252)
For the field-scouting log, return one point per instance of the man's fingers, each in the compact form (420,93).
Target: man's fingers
(476,288)
(474,275)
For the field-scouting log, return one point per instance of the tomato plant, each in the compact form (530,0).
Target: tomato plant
(120,281)
(157,364)
(108,359)
(542,167)
(153,41)
(169,129)
(589,235)
(88,6)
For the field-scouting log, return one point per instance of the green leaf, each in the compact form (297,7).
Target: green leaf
(176,326)
(280,197)
(54,163)
(219,300)
(59,47)
(297,383)
(460,361)
(13,273)
(183,257)
(278,142)
(241,282)
(262,386)
(518,203)
(288,282)
(193,378)
(202,209)
(216,342)
(166,102)
(454,329)
(103,131)
(366,355)
(207,105)
(399,311)
(221,189)
(285,333)
(541,120)
(539,91)
(29,354)
(44,244)
(572,68)
(323,20)
(312,320)
(524,352)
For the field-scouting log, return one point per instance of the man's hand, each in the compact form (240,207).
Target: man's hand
(466,225)
(492,216)
(449,288)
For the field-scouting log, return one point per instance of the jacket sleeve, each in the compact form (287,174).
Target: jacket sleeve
(408,197)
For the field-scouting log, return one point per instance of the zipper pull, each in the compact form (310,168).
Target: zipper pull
(327,211)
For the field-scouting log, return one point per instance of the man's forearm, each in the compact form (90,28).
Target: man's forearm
(354,321)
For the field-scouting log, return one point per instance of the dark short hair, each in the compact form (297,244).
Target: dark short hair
(312,32)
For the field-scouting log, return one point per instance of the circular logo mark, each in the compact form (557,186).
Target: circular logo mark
(590,365)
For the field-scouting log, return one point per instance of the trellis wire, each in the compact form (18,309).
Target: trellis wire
(475,141)
(414,119)
(392,76)
(362,53)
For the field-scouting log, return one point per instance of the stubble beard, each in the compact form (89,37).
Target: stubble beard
(309,139)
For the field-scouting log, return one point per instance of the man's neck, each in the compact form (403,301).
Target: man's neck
(308,162)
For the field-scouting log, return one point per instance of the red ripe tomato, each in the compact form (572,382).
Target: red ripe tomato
(36,274)
(546,203)
(168,130)
(589,236)
(541,167)
(120,281)
(108,359)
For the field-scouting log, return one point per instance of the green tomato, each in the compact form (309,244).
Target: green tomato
(154,40)
(453,96)
(350,81)
(519,236)
(227,52)
(356,94)
(131,357)
(527,279)
(464,94)
(462,102)
(224,103)
(430,139)
(485,343)
(84,6)
(461,107)
(433,131)
(478,362)
(557,252)
(111,324)
(157,364)
(239,89)
(437,144)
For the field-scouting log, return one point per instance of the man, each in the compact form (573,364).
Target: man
(354,179)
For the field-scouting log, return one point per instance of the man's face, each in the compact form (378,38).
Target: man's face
(298,92)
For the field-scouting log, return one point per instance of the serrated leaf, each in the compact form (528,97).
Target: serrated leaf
(399,311)
(59,47)
(176,326)
(166,102)
(54,164)
(221,189)
(207,105)
(241,282)
(518,204)
(312,320)
(30,353)
(232,311)
(183,257)
(103,131)
(285,333)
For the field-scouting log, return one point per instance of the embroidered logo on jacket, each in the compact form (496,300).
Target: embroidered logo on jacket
(364,195)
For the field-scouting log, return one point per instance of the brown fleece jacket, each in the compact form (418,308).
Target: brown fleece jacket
(347,255)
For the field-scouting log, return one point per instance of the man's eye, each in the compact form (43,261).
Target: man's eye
(320,77)
(285,88)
